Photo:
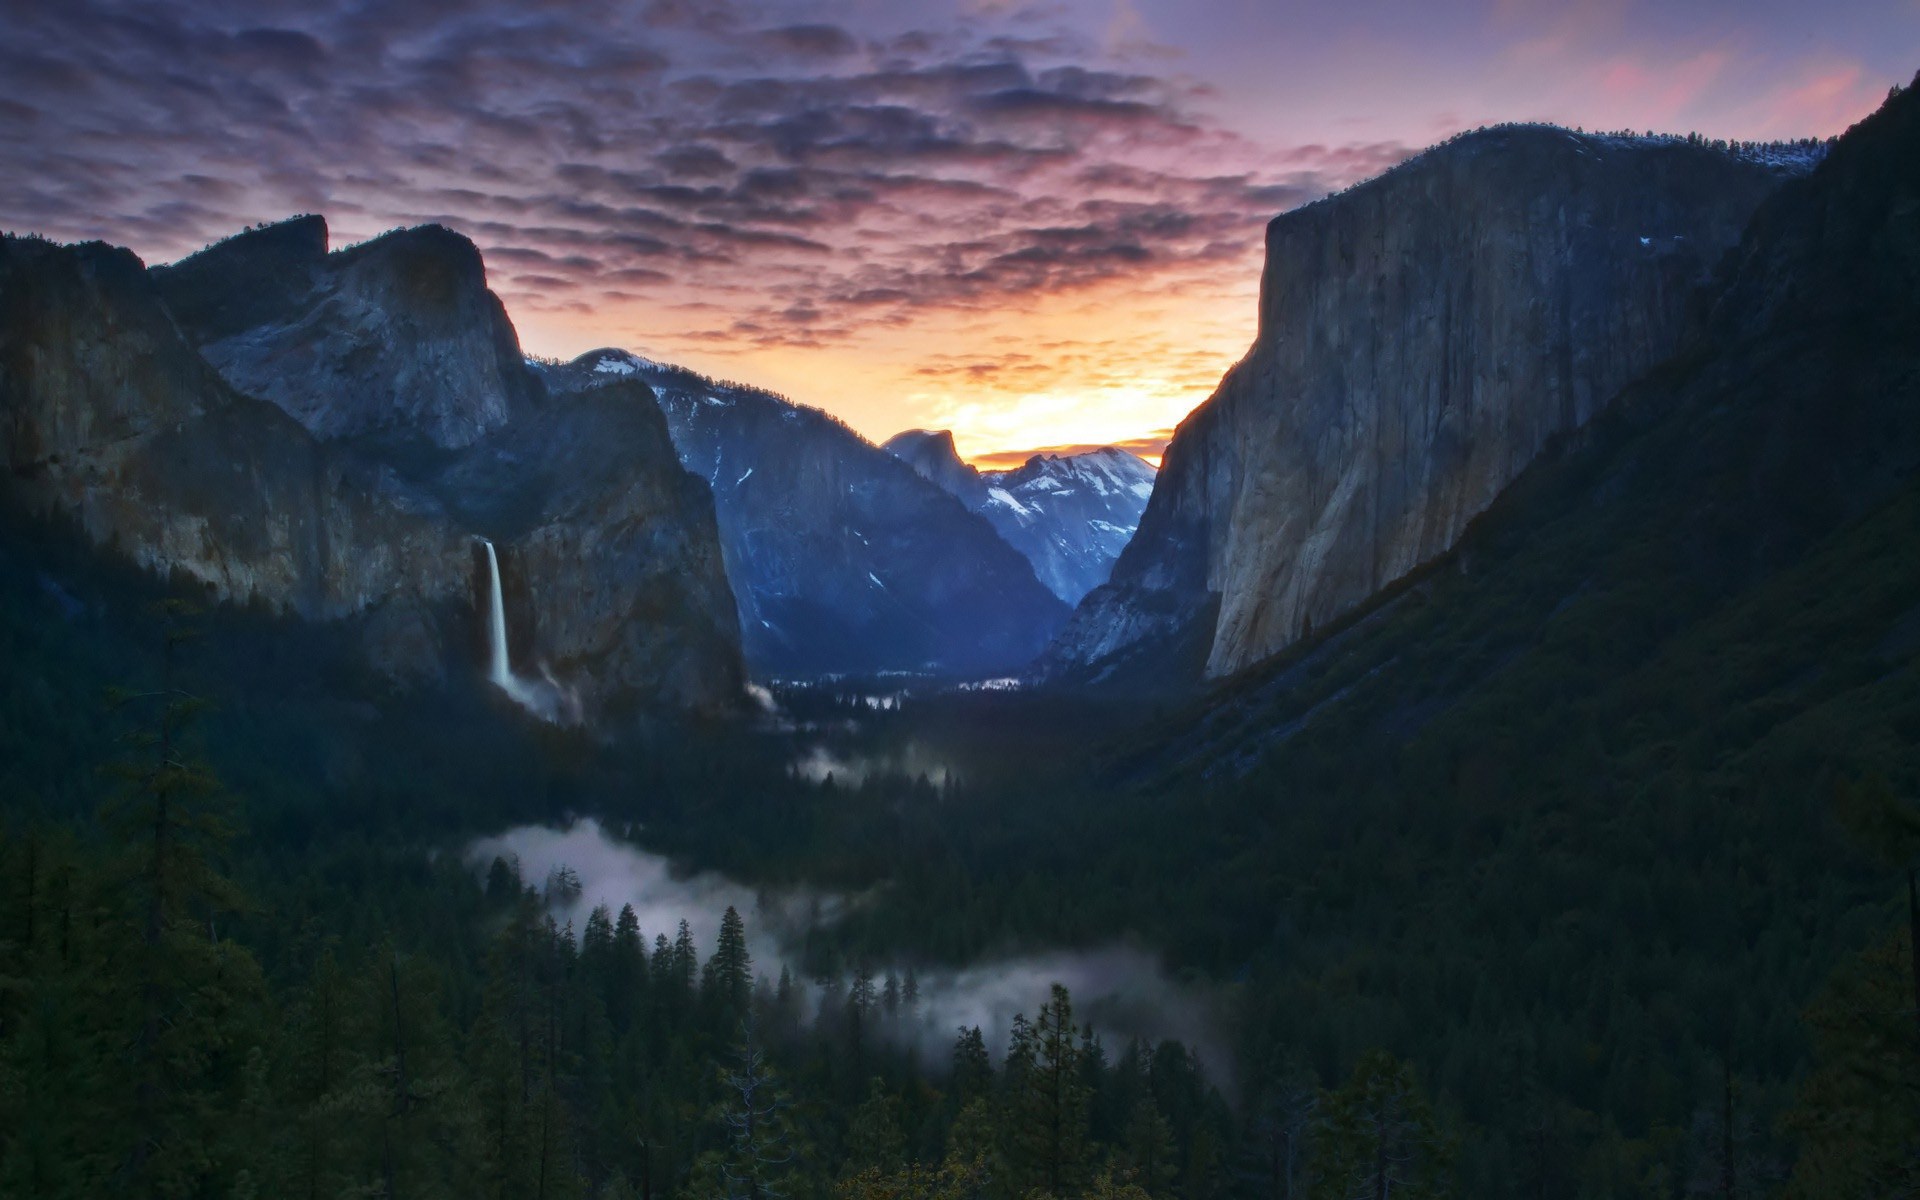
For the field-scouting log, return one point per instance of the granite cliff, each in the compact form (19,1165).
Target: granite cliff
(1422,337)
(329,434)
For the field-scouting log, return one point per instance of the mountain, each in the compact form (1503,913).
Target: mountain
(1070,514)
(1724,556)
(1594,778)
(1422,338)
(843,560)
(931,453)
(329,434)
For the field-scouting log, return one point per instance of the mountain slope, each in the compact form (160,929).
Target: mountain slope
(843,560)
(1422,338)
(1070,515)
(338,508)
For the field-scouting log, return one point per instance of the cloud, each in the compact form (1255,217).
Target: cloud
(687,134)
(809,41)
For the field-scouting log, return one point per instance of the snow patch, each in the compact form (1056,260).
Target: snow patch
(1003,496)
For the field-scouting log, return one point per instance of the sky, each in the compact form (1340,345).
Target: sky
(1036,224)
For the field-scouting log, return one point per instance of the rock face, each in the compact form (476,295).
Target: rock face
(1070,515)
(397,338)
(1422,337)
(931,453)
(336,510)
(1741,518)
(843,559)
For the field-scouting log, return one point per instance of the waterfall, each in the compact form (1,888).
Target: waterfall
(547,699)
(498,669)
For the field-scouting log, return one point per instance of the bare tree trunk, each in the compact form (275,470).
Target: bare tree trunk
(1726,1127)
(1913,939)
(402,1094)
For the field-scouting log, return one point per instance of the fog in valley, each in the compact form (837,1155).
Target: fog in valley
(1122,991)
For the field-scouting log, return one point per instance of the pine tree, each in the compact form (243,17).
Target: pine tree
(1150,1153)
(863,1003)
(874,1140)
(890,998)
(759,1159)
(1857,1116)
(726,984)
(627,971)
(1379,1138)
(1279,1136)
(683,967)
(321,1062)
(1047,1102)
(972,1070)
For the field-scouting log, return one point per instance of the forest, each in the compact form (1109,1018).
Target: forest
(240,954)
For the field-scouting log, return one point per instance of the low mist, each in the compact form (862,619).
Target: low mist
(1122,991)
(914,761)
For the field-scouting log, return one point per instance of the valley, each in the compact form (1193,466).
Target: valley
(430,768)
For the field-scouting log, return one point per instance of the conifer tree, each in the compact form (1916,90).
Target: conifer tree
(683,966)
(726,983)
(1379,1137)
(1150,1153)
(1047,1105)
(972,1070)
(759,1158)
(627,971)
(874,1140)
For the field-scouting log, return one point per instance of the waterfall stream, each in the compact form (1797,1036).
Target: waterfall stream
(546,699)
(498,668)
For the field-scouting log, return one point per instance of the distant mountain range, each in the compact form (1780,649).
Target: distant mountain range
(842,559)
(1070,515)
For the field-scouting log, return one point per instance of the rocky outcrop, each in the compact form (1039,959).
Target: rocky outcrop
(397,338)
(1069,514)
(843,560)
(1422,338)
(931,452)
(113,418)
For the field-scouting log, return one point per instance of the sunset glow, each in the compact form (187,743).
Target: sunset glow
(1040,226)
